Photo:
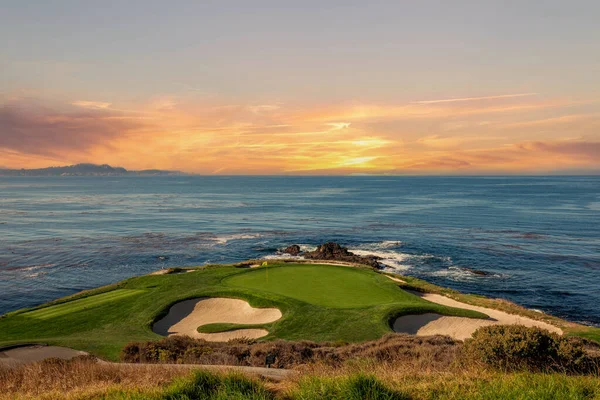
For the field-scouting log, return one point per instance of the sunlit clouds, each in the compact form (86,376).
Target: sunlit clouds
(496,133)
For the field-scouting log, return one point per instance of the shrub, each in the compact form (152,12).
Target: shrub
(516,347)
(434,352)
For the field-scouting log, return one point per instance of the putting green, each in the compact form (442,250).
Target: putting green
(321,285)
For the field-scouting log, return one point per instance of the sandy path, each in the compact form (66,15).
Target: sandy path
(29,354)
(185,317)
(459,327)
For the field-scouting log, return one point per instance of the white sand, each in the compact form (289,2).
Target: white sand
(29,354)
(462,328)
(185,317)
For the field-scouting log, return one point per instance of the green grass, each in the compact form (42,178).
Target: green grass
(525,386)
(318,302)
(333,287)
(84,304)
(225,327)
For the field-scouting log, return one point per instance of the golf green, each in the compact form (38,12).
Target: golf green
(321,285)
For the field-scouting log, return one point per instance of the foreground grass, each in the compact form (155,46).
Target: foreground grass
(318,302)
(87,380)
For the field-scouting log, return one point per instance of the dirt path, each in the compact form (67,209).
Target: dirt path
(28,354)
(18,356)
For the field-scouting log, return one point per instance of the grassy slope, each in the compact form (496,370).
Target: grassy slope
(102,321)
(570,329)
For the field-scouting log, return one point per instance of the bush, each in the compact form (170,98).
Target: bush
(435,351)
(516,347)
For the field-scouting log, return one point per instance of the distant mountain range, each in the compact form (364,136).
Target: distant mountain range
(86,170)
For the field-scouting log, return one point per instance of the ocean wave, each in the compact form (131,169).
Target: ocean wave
(459,274)
(35,274)
(392,259)
(223,239)
(29,267)
(281,256)
(386,244)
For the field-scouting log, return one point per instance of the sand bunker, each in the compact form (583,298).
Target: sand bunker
(185,317)
(28,354)
(459,327)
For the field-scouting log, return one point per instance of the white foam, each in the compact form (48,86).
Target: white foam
(34,267)
(393,259)
(459,274)
(223,239)
(282,256)
(307,247)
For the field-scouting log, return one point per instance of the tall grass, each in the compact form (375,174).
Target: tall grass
(359,379)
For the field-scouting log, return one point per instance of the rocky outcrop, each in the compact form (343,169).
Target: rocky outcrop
(334,252)
(476,271)
(292,250)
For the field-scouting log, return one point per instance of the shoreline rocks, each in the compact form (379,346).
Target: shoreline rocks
(332,251)
(292,250)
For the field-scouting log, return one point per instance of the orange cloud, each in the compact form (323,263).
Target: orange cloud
(468,135)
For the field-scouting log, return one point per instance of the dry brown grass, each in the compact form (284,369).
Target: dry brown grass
(81,378)
(87,379)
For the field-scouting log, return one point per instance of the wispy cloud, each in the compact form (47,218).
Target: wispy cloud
(93,105)
(454,100)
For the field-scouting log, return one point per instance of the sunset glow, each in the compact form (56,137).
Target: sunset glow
(300,121)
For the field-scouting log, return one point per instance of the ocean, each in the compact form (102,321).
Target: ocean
(537,238)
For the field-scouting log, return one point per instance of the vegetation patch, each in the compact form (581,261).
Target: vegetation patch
(515,347)
(435,352)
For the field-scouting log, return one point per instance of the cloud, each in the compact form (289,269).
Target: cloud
(530,156)
(582,150)
(28,127)
(454,100)
(202,136)
(94,105)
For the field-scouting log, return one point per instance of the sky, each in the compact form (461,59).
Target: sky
(303,87)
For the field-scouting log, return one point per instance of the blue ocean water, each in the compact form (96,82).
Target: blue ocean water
(538,237)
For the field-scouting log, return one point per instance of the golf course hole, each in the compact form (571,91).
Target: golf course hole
(185,317)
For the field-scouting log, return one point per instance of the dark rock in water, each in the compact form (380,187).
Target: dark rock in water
(293,250)
(477,271)
(333,251)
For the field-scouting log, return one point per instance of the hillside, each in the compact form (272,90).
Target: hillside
(85,170)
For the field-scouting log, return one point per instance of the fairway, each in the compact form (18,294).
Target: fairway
(327,286)
(82,304)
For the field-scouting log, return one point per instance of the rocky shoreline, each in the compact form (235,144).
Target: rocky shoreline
(332,251)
